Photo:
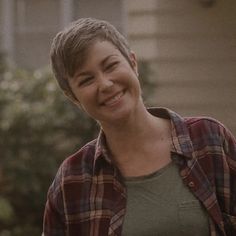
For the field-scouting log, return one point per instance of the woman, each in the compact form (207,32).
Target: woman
(150,171)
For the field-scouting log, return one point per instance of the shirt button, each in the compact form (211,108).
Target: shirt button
(191,184)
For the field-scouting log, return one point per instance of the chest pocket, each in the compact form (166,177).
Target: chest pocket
(193,218)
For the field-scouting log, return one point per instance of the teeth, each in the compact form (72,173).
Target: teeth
(113,100)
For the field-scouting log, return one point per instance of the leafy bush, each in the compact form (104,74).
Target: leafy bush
(39,127)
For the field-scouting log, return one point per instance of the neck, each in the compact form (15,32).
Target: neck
(135,135)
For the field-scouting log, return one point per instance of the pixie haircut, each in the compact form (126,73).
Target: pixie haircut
(69,47)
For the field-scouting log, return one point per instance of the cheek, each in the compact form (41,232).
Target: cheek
(135,83)
(86,97)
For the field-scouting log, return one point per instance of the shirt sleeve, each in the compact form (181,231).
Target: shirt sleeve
(54,217)
(230,152)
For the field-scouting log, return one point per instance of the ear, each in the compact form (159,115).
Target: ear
(133,61)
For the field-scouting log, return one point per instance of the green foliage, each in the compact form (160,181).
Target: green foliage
(6,211)
(39,127)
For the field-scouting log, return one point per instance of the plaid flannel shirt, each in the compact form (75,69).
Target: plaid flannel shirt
(88,196)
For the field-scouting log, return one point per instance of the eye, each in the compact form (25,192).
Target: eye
(86,81)
(111,65)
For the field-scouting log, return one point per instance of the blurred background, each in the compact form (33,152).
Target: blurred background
(187,57)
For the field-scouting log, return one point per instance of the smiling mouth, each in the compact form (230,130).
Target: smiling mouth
(113,100)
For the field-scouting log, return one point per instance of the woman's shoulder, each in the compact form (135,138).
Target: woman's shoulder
(82,158)
(76,166)
(204,125)
(211,132)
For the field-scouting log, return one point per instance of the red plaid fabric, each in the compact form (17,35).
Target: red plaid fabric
(88,197)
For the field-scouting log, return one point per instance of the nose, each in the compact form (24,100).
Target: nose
(105,84)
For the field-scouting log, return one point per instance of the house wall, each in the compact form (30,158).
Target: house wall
(192,53)
(110,10)
(35,24)
(28,26)
(1,26)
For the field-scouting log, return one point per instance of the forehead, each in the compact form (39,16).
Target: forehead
(96,52)
(101,48)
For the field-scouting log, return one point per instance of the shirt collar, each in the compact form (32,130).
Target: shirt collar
(181,142)
(101,152)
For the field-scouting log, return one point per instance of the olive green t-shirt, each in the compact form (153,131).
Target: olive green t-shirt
(161,205)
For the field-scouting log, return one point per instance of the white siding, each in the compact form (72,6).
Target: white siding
(110,10)
(28,26)
(192,51)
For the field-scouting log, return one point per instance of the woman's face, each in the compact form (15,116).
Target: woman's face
(106,85)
